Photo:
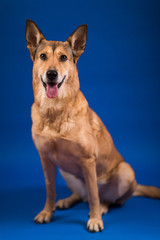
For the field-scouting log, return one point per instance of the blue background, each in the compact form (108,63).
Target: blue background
(120,77)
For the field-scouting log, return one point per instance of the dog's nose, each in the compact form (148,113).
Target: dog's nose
(52,75)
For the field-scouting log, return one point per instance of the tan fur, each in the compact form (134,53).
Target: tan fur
(147,191)
(68,134)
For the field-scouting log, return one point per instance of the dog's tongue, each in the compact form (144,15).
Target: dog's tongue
(52,91)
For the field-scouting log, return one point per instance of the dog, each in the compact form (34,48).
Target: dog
(68,134)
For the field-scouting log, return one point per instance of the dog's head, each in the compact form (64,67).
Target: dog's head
(54,62)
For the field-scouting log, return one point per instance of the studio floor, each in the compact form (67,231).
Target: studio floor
(137,219)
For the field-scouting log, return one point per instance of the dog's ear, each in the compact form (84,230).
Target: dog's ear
(78,40)
(33,37)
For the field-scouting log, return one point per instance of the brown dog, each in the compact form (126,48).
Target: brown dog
(68,134)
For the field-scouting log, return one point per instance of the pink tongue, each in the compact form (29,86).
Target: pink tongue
(52,91)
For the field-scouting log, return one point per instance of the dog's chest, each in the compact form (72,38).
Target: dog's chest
(64,152)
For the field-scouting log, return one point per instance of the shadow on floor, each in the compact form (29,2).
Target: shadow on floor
(24,204)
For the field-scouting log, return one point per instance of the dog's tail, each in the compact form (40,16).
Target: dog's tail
(147,191)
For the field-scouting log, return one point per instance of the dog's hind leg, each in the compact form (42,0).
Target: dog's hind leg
(119,187)
(78,189)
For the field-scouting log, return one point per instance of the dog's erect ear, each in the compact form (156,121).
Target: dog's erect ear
(78,40)
(33,37)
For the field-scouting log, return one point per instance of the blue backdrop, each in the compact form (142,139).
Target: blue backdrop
(120,77)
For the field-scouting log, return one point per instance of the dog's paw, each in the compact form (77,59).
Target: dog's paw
(103,208)
(43,217)
(95,225)
(63,204)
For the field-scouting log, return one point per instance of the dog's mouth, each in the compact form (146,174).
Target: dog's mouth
(52,88)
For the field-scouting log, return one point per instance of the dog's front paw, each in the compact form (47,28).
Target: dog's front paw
(43,217)
(95,225)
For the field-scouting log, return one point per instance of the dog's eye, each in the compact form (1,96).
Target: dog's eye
(63,58)
(43,56)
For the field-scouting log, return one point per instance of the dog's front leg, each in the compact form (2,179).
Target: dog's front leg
(49,170)
(95,223)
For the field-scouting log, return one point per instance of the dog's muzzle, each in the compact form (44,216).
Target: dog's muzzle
(51,85)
